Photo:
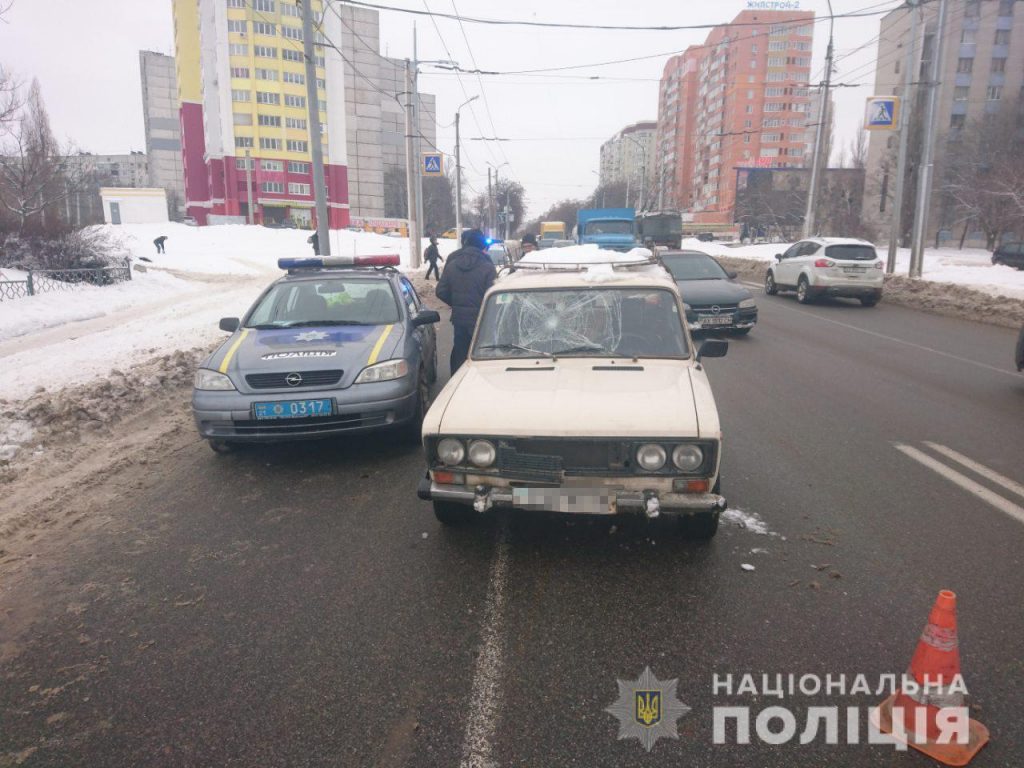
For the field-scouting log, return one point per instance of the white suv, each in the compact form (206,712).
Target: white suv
(583,393)
(828,266)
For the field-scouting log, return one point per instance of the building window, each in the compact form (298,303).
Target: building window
(296,122)
(288,9)
(266,74)
(749,109)
(1002,37)
(272,165)
(294,77)
(243,141)
(242,118)
(297,167)
(965,66)
(320,61)
(957,121)
(289,54)
(271,120)
(292,33)
(294,101)
(236,3)
(270,143)
(994,93)
(746,139)
(238,25)
(1006,7)
(967,36)
(297,146)
(748,124)
(263,28)
(265,52)
(238,49)
(961,93)
(998,65)
(298,189)
(972,9)
(240,72)
(321,84)
(245,163)
(272,186)
(263,5)
(237,95)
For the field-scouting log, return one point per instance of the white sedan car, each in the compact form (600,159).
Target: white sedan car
(828,266)
(583,393)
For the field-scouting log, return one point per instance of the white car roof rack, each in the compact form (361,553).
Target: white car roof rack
(582,266)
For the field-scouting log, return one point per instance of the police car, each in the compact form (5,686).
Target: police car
(336,346)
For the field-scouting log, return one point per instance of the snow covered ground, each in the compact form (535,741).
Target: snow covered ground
(970,267)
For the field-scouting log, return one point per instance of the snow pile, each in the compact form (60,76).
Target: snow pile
(585,254)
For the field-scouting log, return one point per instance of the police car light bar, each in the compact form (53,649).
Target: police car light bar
(339,261)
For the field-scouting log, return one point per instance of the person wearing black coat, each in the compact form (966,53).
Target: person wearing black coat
(432,255)
(467,275)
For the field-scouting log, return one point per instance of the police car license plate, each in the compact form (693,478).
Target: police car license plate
(707,320)
(293,409)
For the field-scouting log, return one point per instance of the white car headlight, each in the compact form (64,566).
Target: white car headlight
(212,380)
(450,451)
(651,457)
(747,303)
(389,370)
(481,453)
(687,457)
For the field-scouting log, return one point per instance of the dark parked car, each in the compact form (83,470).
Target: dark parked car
(1010,254)
(1019,356)
(719,302)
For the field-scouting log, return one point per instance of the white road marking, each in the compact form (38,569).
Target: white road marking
(485,695)
(990,474)
(969,485)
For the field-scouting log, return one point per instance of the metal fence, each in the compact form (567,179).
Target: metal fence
(48,280)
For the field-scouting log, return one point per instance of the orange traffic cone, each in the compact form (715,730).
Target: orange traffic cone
(935,666)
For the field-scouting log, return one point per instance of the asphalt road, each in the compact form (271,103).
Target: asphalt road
(297,605)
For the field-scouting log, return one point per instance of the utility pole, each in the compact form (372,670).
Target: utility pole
(924,178)
(415,258)
(901,160)
(810,215)
(410,170)
(490,203)
(506,219)
(323,232)
(250,198)
(458,175)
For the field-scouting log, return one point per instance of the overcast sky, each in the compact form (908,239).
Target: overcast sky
(85,54)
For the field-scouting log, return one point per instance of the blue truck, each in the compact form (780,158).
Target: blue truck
(610,228)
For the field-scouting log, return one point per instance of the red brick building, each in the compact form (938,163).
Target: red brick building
(740,99)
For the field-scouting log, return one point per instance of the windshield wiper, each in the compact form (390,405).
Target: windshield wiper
(326,322)
(265,326)
(519,347)
(581,348)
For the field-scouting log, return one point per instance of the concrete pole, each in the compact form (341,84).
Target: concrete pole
(901,161)
(490,204)
(810,224)
(415,259)
(323,232)
(458,183)
(250,198)
(924,178)
(410,169)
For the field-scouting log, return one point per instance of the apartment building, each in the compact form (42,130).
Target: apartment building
(739,99)
(982,73)
(628,158)
(163,128)
(244,117)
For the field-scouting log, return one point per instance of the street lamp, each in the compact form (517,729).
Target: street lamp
(458,173)
(643,171)
(491,197)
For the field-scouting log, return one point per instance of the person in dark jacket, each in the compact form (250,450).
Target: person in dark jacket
(529,243)
(466,278)
(432,255)
(159,243)
(314,240)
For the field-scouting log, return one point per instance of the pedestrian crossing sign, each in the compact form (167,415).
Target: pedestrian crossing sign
(882,113)
(433,164)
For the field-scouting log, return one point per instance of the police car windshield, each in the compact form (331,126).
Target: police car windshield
(327,301)
(592,322)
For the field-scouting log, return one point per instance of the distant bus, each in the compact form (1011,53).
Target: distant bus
(662,228)
(550,231)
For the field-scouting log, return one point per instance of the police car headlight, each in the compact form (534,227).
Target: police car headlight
(482,453)
(450,451)
(211,380)
(386,371)
(747,304)
(651,457)
(687,457)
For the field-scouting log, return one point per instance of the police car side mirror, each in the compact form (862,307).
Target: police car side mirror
(426,317)
(229,324)
(713,348)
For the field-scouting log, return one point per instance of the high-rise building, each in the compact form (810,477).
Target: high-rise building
(130,170)
(739,99)
(160,113)
(982,73)
(242,86)
(628,157)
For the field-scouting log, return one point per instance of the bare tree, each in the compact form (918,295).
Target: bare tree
(859,150)
(10,104)
(35,177)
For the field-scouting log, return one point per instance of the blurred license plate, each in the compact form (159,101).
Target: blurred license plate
(715,320)
(850,270)
(293,409)
(579,501)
